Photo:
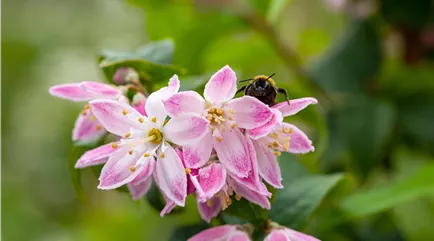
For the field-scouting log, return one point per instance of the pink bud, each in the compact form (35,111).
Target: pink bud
(125,75)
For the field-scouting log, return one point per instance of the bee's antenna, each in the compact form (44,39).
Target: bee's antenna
(244,80)
(271,75)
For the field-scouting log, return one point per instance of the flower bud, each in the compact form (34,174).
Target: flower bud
(138,103)
(125,75)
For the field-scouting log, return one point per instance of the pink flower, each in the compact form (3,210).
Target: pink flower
(286,234)
(276,136)
(222,233)
(145,148)
(87,128)
(224,115)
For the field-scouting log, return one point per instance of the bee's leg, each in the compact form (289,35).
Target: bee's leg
(241,89)
(283,91)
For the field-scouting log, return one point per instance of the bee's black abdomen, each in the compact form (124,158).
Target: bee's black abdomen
(266,95)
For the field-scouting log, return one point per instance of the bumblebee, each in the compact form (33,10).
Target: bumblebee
(263,88)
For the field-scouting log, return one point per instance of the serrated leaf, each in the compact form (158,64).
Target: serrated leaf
(301,196)
(384,197)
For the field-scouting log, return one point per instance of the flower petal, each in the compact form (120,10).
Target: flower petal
(118,170)
(238,236)
(197,154)
(295,105)
(139,189)
(252,181)
(250,112)
(264,130)
(250,195)
(210,209)
(71,92)
(116,117)
(186,128)
(277,235)
(211,179)
(299,142)
(100,90)
(154,104)
(170,205)
(269,169)
(232,152)
(298,236)
(171,175)
(87,128)
(222,86)
(96,156)
(214,234)
(141,107)
(182,102)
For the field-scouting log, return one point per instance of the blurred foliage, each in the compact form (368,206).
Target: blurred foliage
(371,177)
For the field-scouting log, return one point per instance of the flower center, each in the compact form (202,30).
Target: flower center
(220,120)
(155,136)
(279,139)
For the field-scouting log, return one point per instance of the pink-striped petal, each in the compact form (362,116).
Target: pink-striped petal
(252,181)
(210,209)
(186,128)
(238,236)
(141,107)
(222,86)
(100,90)
(295,105)
(139,189)
(115,117)
(277,235)
(264,130)
(71,92)
(299,142)
(211,179)
(96,156)
(120,169)
(154,104)
(232,152)
(170,205)
(184,102)
(250,195)
(87,128)
(197,154)
(250,113)
(269,168)
(298,236)
(214,234)
(171,175)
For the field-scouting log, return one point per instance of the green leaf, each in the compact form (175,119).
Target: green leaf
(154,198)
(185,232)
(248,211)
(302,195)
(276,9)
(384,197)
(75,174)
(407,13)
(351,62)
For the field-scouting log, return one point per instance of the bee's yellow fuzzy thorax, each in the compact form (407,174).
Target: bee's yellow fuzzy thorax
(264,77)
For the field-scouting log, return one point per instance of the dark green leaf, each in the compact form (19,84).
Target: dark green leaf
(154,198)
(185,232)
(351,62)
(250,212)
(406,13)
(301,196)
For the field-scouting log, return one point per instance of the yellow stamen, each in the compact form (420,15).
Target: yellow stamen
(230,118)
(233,126)
(114,145)
(270,145)
(219,111)
(124,112)
(232,111)
(218,139)
(141,120)
(132,168)
(154,119)
(209,203)
(286,146)
(276,144)
(162,155)
(87,106)
(146,154)
(212,110)
(277,153)
(127,135)
(98,127)
(238,197)
(130,152)
(187,170)
(274,134)
(155,136)
(290,131)
(212,128)
(92,118)
(223,128)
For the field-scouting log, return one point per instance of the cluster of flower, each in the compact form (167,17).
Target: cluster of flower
(214,147)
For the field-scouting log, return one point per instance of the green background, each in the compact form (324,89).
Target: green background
(371,177)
